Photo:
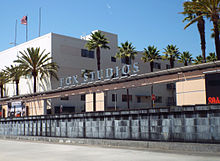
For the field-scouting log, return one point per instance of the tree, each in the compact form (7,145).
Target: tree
(213,34)
(192,18)
(185,58)
(212,57)
(171,54)
(150,55)
(127,52)
(37,64)
(3,80)
(97,41)
(14,74)
(198,60)
(210,9)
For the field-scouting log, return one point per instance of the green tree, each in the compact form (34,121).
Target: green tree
(14,74)
(3,80)
(198,60)
(127,52)
(192,18)
(150,55)
(186,58)
(36,64)
(212,57)
(97,41)
(210,9)
(171,53)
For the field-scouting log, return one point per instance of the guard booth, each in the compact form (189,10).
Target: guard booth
(200,90)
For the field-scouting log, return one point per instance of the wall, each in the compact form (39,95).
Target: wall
(188,124)
(191,92)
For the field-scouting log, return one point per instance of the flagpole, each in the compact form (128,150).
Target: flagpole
(27,29)
(39,20)
(15,43)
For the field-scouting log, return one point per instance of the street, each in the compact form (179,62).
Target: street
(11,150)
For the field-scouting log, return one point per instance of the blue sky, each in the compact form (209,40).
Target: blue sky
(142,22)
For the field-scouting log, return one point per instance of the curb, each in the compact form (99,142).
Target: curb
(145,145)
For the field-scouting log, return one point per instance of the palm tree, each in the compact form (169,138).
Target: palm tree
(212,57)
(192,18)
(127,52)
(213,34)
(97,41)
(3,80)
(14,74)
(150,55)
(198,60)
(210,9)
(185,58)
(171,54)
(37,64)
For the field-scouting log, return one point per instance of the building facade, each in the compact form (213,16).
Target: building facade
(74,60)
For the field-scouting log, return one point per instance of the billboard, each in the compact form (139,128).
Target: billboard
(16,109)
(212,88)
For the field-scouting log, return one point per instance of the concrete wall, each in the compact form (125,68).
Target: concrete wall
(188,124)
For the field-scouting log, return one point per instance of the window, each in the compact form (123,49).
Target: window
(113,59)
(168,66)
(83,97)
(114,97)
(124,98)
(157,66)
(65,98)
(138,99)
(87,53)
(123,60)
(170,101)
(171,86)
(158,99)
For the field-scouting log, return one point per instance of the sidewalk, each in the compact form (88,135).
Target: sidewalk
(127,144)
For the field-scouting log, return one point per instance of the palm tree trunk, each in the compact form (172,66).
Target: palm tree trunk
(35,84)
(171,63)
(2,91)
(17,87)
(186,64)
(152,87)
(128,103)
(98,57)
(216,31)
(201,28)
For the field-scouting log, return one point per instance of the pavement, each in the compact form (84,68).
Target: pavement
(12,150)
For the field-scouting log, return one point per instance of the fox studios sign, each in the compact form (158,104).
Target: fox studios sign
(93,76)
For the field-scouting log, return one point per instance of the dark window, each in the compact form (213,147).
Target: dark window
(157,66)
(124,98)
(171,86)
(158,99)
(114,97)
(86,53)
(64,98)
(113,59)
(123,60)
(83,97)
(138,99)
(168,66)
(91,54)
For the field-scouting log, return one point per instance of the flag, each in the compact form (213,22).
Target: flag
(24,20)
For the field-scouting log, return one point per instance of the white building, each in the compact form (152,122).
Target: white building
(73,58)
